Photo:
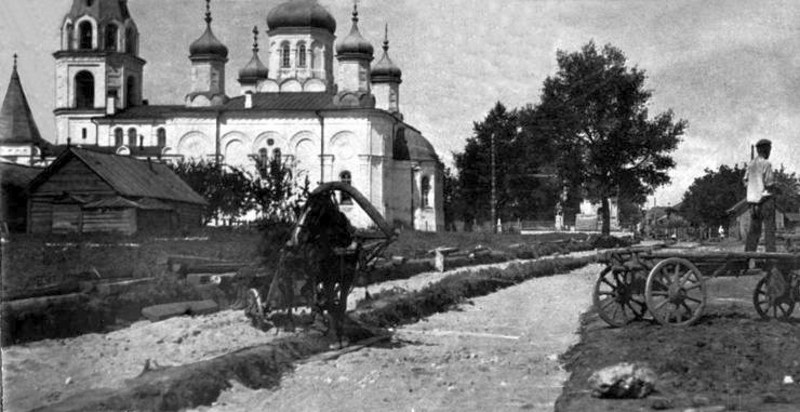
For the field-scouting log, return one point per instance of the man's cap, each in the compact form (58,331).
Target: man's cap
(763,142)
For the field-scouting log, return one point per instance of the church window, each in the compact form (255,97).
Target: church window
(84,90)
(270,141)
(263,155)
(285,55)
(130,91)
(89,3)
(111,37)
(426,191)
(345,177)
(130,40)
(119,139)
(400,146)
(301,54)
(276,154)
(161,134)
(83,133)
(85,36)
(131,137)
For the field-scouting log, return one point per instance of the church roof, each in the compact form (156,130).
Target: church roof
(301,14)
(385,70)
(208,46)
(355,45)
(254,70)
(102,10)
(17,125)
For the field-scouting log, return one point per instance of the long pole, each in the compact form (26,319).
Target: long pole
(494,190)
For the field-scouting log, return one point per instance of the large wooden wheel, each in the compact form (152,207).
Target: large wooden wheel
(675,292)
(618,296)
(773,298)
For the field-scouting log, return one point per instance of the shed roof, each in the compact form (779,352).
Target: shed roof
(128,176)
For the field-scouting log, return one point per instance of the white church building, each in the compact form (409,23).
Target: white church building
(321,106)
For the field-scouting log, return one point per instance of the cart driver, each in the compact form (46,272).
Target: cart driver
(760,183)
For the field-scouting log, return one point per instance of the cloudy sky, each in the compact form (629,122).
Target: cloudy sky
(729,67)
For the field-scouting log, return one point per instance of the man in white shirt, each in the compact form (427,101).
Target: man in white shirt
(760,184)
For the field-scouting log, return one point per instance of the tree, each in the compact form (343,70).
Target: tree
(709,197)
(788,190)
(278,195)
(228,190)
(595,111)
(452,201)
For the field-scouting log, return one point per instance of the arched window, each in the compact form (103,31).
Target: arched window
(130,91)
(89,3)
(119,139)
(85,36)
(277,155)
(131,137)
(301,55)
(84,90)
(400,146)
(426,191)
(130,41)
(345,177)
(111,37)
(161,135)
(285,56)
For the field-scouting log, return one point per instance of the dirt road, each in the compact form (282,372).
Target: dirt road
(498,353)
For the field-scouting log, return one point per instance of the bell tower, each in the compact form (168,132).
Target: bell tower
(98,68)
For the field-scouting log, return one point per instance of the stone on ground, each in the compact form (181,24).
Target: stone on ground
(624,380)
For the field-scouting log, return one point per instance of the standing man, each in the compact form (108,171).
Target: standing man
(760,198)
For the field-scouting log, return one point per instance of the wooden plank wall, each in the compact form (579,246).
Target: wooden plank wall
(110,220)
(75,178)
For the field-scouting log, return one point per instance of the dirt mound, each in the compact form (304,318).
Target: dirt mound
(731,358)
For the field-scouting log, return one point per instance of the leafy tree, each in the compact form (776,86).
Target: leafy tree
(709,197)
(452,201)
(276,192)
(788,190)
(595,111)
(228,190)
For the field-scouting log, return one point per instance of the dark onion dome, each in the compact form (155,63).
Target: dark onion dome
(385,70)
(255,69)
(301,13)
(354,45)
(208,45)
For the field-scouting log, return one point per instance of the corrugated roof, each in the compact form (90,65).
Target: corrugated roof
(16,120)
(129,176)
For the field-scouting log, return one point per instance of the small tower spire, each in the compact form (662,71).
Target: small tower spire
(15,61)
(208,12)
(255,39)
(386,38)
(355,11)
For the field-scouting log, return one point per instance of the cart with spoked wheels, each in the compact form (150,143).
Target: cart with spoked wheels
(670,285)
(324,256)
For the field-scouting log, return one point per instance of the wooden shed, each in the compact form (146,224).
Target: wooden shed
(14,179)
(86,191)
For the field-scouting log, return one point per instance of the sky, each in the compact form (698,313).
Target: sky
(731,68)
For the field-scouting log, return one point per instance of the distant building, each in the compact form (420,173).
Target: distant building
(740,220)
(84,191)
(349,128)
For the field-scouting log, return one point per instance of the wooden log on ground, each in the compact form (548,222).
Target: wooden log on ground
(169,310)
(41,304)
(54,289)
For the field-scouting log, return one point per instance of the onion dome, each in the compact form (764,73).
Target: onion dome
(255,69)
(385,70)
(354,45)
(301,13)
(208,46)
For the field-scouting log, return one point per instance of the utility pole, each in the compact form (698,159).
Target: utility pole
(494,189)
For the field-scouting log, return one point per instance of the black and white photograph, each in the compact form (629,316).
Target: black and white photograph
(377,205)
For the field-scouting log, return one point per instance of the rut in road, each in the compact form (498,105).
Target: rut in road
(498,353)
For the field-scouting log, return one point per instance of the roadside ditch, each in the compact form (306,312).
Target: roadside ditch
(201,383)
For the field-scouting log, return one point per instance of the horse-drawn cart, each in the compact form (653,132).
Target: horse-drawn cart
(671,286)
(324,256)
